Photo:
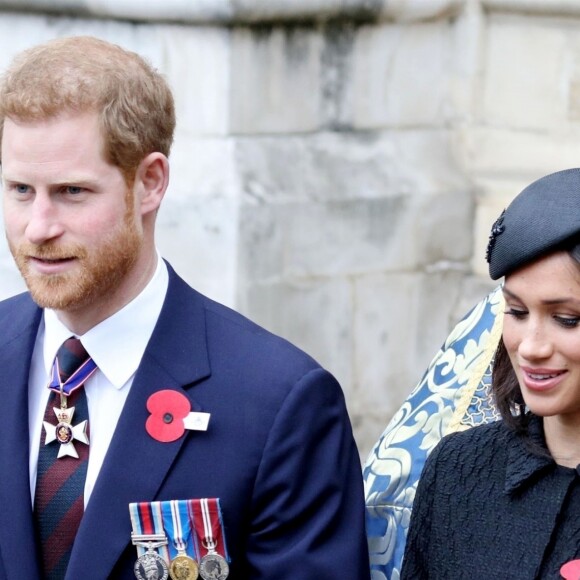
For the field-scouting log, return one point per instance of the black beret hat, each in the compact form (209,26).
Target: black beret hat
(540,220)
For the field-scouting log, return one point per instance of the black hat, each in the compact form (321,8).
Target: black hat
(540,220)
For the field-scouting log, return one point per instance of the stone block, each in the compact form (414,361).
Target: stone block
(203,168)
(504,153)
(275,79)
(342,166)
(200,11)
(323,239)
(526,77)
(400,75)
(197,66)
(355,236)
(228,11)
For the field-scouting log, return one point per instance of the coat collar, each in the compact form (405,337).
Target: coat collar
(528,457)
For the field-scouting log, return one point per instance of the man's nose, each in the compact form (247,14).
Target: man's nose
(44,222)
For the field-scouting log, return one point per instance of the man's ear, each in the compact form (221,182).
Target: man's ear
(151,181)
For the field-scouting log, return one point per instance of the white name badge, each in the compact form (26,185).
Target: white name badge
(196,421)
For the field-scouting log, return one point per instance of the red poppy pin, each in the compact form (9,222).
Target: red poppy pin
(171,415)
(571,570)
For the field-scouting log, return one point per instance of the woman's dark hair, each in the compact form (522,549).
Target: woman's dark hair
(506,390)
(505,386)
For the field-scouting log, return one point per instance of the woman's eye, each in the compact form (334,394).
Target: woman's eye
(518,314)
(568,321)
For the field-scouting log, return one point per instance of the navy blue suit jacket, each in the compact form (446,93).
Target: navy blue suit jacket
(278,452)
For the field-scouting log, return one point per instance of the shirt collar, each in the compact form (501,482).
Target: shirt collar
(116,344)
(523,459)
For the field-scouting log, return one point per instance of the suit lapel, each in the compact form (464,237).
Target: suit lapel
(17,536)
(136,464)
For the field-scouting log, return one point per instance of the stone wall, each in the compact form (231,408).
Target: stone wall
(338,163)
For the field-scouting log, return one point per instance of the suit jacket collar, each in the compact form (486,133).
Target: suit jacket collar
(176,358)
(17,535)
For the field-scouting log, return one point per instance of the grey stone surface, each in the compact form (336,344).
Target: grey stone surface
(348,166)
(276,80)
(228,11)
(401,75)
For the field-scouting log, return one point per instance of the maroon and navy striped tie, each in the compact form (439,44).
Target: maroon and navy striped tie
(60,482)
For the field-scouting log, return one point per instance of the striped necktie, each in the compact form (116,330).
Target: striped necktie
(63,458)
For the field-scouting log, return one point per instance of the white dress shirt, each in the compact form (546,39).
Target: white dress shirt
(117,345)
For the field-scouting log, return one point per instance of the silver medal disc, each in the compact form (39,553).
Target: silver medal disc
(214,567)
(151,566)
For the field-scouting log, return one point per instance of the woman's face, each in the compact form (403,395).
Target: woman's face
(541,332)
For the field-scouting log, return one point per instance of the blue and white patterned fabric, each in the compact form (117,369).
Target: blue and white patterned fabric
(454,394)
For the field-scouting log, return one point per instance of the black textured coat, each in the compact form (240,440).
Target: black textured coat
(489,506)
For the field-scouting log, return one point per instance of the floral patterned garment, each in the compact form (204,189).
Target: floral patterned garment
(454,394)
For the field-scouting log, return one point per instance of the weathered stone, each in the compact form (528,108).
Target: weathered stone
(503,153)
(197,68)
(342,166)
(203,167)
(248,11)
(525,82)
(401,75)
(275,80)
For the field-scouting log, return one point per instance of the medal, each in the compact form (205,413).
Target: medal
(212,565)
(178,526)
(64,431)
(183,568)
(208,526)
(151,566)
(151,541)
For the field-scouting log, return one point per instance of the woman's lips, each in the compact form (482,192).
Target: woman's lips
(542,379)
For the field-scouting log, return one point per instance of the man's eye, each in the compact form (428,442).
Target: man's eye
(21,188)
(73,189)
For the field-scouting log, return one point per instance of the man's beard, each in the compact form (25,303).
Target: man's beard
(97,272)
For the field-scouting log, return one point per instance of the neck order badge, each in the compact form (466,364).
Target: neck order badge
(71,369)
(58,502)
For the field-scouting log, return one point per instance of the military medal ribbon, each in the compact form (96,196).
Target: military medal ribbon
(208,523)
(178,525)
(149,535)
